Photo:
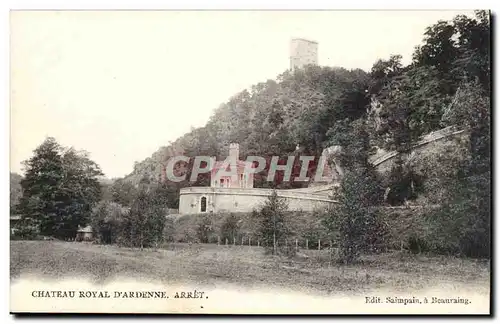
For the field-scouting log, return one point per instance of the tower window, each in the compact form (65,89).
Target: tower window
(203,205)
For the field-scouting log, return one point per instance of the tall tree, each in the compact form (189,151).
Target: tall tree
(43,199)
(81,190)
(59,190)
(273,228)
(459,50)
(354,223)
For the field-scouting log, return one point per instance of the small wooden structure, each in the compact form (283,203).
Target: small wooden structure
(84,234)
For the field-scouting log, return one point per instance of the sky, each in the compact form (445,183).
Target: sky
(121,84)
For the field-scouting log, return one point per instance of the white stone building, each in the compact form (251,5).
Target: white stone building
(236,193)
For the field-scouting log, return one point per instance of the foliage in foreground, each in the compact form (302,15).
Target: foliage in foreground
(142,225)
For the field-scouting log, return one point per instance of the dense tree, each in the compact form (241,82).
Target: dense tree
(106,220)
(143,226)
(273,228)
(452,52)
(230,228)
(459,50)
(41,195)
(122,192)
(411,101)
(16,191)
(59,190)
(354,224)
(81,189)
(463,222)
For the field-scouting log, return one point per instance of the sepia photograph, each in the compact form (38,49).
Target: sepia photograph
(239,162)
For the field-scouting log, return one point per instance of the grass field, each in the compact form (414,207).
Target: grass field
(213,265)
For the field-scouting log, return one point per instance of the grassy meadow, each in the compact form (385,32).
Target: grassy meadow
(210,265)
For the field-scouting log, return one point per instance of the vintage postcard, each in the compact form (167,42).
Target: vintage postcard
(250,162)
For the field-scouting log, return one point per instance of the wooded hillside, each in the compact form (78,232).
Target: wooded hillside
(315,107)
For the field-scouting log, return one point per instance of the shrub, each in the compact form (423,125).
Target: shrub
(204,229)
(106,220)
(169,230)
(230,228)
(143,226)
(417,244)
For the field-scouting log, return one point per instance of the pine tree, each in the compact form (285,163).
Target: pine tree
(354,223)
(43,200)
(273,229)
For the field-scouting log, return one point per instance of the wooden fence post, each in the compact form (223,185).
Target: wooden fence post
(258,243)
(249,241)
(218,240)
(319,244)
(226,241)
(296,244)
(307,244)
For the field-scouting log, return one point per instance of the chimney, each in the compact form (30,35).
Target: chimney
(234,151)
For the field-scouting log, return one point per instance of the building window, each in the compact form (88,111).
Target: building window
(203,205)
(221,183)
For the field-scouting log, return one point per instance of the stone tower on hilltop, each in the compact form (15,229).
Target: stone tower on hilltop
(303,52)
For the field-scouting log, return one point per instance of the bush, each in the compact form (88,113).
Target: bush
(230,228)
(204,229)
(107,220)
(417,245)
(169,230)
(144,224)
(461,227)
(25,230)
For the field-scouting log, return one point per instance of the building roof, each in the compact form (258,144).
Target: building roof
(86,229)
(219,165)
